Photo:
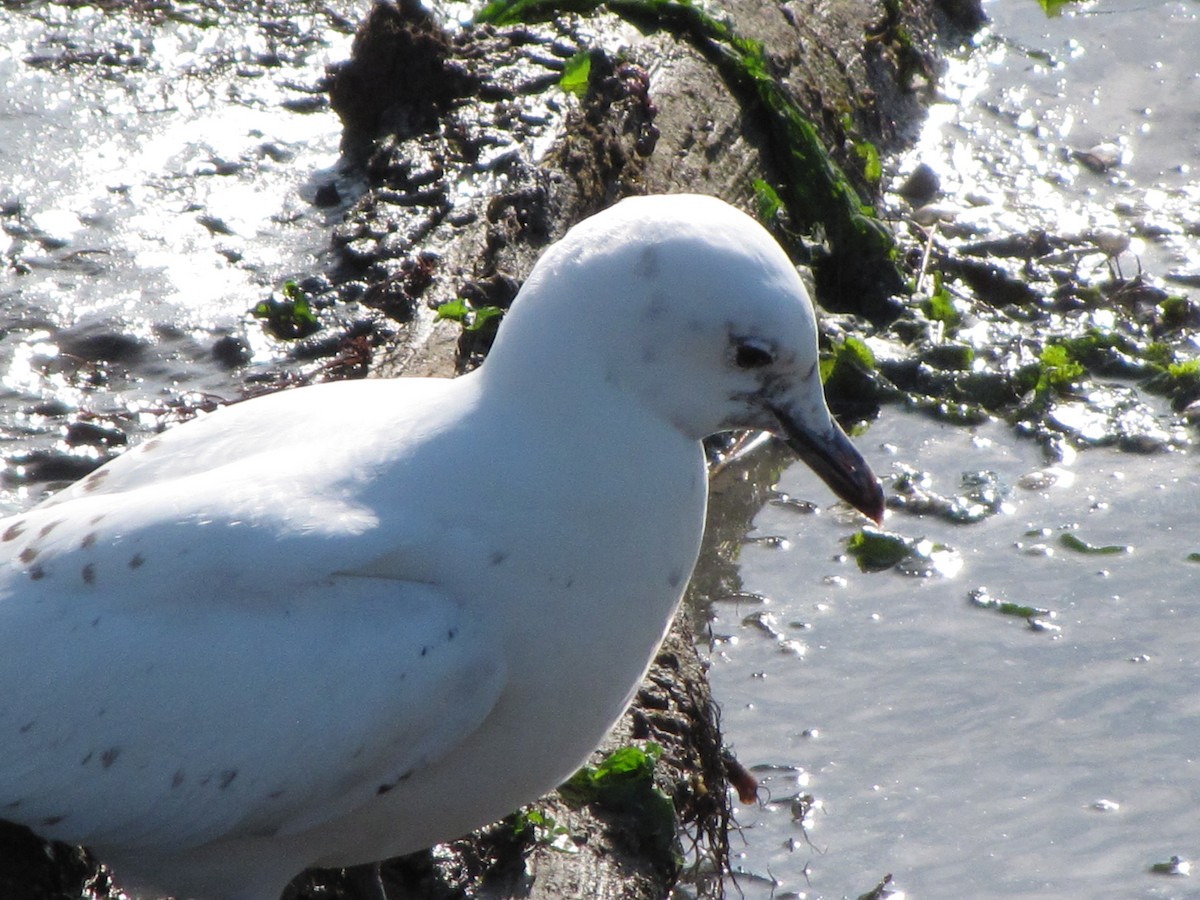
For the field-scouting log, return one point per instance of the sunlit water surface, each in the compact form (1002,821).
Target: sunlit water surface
(963,750)
(157,179)
(1082,125)
(959,749)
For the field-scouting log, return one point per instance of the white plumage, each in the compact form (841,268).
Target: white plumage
(343,622)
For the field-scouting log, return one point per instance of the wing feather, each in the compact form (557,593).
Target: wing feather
(190,669)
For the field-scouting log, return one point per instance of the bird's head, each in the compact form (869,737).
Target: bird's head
(691,307)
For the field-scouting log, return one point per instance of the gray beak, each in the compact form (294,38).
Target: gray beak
(831,455)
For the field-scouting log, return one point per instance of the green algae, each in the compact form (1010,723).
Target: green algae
(577,74)
(818,196)
(1079,545)
(981,598)
(289,317)
(877,551)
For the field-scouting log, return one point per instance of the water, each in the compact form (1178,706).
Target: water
(156,181)
(959,749)
(1038,93)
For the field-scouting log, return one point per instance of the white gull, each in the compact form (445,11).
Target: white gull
(348,621)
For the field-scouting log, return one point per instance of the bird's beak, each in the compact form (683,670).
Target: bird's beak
(829,453)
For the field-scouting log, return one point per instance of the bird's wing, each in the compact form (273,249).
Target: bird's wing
(171,680)
(317,420)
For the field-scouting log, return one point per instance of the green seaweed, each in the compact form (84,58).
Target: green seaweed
(848,372)
(875,551)
(577,74)
(939,306)
(624,783)
(1058,370)
(867,152)
(817,193)
(1076,543)
(1007,608)
(542,828)
(288,318)
(1054,7)
(471,318)
(770,204)
(1176,865)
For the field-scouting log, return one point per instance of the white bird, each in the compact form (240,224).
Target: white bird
(339,623)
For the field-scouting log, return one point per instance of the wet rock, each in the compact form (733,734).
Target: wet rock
(400,75)
(994,284)
(214,224)
(305,104)
(1033,245)
(232,351)
(347,325)
(949,356)
(981,495)
(327,195)
(1099,158)
(33,869)
(397,295)
(52,407)
(965,15)
(920,186)
(101,341)
(49,465)
(91,434)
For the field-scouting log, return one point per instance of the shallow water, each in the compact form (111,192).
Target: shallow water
(156,182)
(960,749)
(965,751)
(1037,94)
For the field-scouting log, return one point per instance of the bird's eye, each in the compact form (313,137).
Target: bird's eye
(752,355)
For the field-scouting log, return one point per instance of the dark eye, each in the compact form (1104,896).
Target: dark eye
(752,355)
